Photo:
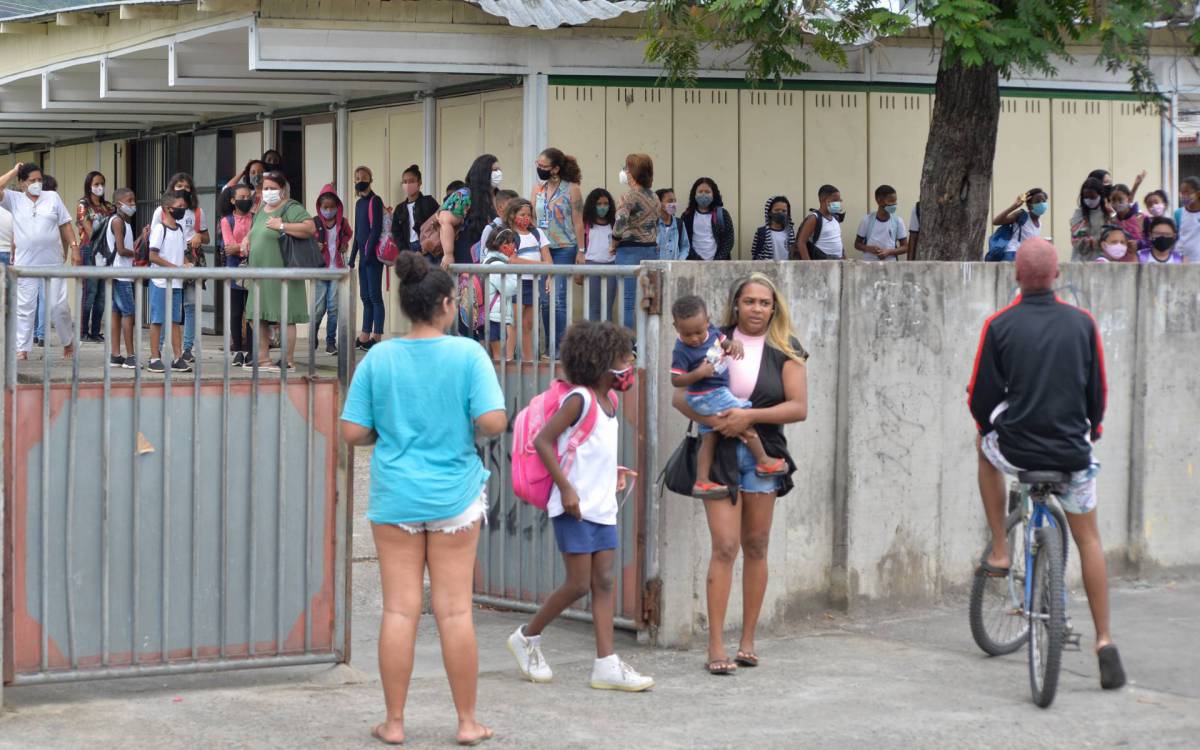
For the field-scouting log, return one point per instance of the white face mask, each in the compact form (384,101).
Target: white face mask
(497,177)
(34,188)
(127,209)
(1116,250)
(272,196)
(1091,202)
(98,191)
(623,177)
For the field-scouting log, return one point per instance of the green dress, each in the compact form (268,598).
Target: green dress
(264,253)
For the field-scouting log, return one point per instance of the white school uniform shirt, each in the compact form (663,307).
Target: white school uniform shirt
(35,227)
(1188,245)
(170,244)
(914,220)
(119,261)
(704,243)
(830,240)
(531,249)
(191,223)
(779,243)
(593,472)
(412,224)
(886,234)
(599,247)
(1021,232)
(331,234)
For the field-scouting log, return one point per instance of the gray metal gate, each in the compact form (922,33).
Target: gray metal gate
(172,523)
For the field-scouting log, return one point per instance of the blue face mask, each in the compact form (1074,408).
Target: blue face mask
(704,200)
(602,210)
(1039,208)
(891,208)
(835,207)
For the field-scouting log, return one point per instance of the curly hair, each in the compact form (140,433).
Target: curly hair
(589,349)
(589,206)
(422,287)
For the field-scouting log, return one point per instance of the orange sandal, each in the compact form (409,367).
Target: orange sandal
(775,468)
(709,490)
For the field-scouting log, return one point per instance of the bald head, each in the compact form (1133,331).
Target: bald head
(1037,265)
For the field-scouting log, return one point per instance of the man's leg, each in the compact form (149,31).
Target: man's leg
(27,299)
(991,490)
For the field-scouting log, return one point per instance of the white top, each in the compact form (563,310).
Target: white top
(830,241)
(331,234)
(779,243)
(599,244)
(170,245)
(189,222)
(914,220)
(412,224)
(496,223)
(881,233)
(119,261)
(35,227)
(6,230)
(703,242)
(530,249)
(1188,246)
(502,289)
(1021,232)
(593,472)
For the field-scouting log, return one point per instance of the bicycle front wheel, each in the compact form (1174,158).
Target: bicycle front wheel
(1047,616)
(997,610)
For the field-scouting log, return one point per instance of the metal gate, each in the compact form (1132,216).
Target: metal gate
(519,565)
(170,523)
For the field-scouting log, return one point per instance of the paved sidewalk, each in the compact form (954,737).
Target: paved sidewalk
(914,679)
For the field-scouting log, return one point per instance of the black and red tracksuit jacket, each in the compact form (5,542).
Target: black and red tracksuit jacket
(1044,359)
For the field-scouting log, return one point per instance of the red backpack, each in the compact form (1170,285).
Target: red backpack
(531,480)
(387,251)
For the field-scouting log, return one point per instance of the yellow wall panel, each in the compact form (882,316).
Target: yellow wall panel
(705,145)
(576,125)
(896,150)
(406,145)
(1023,158)
(246,146)
(501,118)
(772,123)
(71,165)
(318,161)
(835,138)
(637,120)
(1081,139)
(1137,145)
(459,140)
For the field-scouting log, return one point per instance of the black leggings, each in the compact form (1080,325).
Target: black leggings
(239,330)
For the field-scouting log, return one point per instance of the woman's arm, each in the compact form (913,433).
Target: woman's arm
(357,435)
(492,423)
(300,229)
(576,198)
(794,407)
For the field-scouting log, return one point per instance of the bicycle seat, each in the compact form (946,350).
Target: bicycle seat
(1043,477)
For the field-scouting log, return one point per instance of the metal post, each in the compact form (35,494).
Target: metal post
(135,474)
(8,366)
(223,608)
(106,475)
(251,540)
(197,298)
(72,439)
(280,474)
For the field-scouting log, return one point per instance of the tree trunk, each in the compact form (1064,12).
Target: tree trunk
(956,178)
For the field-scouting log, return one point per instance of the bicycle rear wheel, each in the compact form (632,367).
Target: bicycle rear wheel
(1047,616)
(997,611)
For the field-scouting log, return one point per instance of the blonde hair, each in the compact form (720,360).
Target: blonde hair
(779,329)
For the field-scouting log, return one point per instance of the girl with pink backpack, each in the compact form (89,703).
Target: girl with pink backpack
(578,447)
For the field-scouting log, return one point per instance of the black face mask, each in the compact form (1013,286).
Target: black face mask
(178,213)
(244,205)
(1163,244)
(361,187)
(543,174)
(779,218)
(186,195)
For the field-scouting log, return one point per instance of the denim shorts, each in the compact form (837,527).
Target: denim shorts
(462,522)
(1077,496)
(583,537)
(158,305)
(748,480)
(714,402)
(527,292)
(122,303)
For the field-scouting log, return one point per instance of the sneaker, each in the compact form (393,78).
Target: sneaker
(187,356)
(364,346)
(331,348)
(116,361)
(156,365)
(130,363)
(610,673)
(528,653)
(239,359)
(39,342)
(180,365)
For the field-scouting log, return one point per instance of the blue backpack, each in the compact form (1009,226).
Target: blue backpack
(1000,240)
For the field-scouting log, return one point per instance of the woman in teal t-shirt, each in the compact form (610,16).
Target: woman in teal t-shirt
(428,486)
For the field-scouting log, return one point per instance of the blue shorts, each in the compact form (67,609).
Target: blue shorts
(749,481)
(158,306)
(714,402)
(584,537)
(526,292)
(122,303)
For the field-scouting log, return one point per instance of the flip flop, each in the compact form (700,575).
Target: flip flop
(487,735)
(721,667)
(746,659)
(775,468)
(378,734)
(991,571)
(1112,674)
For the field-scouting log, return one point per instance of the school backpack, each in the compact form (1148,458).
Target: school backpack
(141,248)
(531,480)
(815,252)
(1001,238)
(387,251)
(102,254)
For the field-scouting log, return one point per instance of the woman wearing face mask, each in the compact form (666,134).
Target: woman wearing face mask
(467,210)
(90,213)
(1026,214)
(673,241)
(709,226)
(1116,247)
(368,227)
(195,232)
(597,251)
(1128,216)
(635,228)
(412,212)
(279,215)
(1162,239)
(558,210)
(1089,220)
(250,175)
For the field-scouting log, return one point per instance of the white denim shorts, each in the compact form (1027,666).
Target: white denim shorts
(1077,496)
(462,522)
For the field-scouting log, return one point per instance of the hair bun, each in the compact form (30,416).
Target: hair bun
(411,268)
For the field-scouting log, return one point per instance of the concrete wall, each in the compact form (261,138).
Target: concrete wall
(886,506)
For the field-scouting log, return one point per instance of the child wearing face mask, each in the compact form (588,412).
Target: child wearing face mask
(237,207)
(776,239)
(1161,235)
(1116,246)
(673,242)
(881,235)
(502,293)
(597,251)
(1128,216)
(1089,220)
(820,236)
(1188,223)
(333,236)
(1025,215)
(1156,206)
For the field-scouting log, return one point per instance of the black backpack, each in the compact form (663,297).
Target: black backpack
(100,247)
(814,252)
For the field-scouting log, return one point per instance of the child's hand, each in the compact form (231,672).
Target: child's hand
(570,503)
(734,349)
(707,369)
(624,476)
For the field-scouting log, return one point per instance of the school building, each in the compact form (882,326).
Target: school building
(142,88)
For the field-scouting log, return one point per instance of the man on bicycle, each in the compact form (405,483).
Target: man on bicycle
(1038,394)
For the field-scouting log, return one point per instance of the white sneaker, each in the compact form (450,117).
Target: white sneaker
(610,673)
(528,652)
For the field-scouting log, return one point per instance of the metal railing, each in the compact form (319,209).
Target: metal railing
(108,541)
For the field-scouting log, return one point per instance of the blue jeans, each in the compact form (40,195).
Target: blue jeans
(188,295)
(39,330)
(5,259)
(93,299)
(370,287)
(562,256)
(600,298)
(633,255)
(714,402)
(326,302)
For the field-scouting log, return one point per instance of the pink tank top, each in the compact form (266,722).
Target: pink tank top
(743,373)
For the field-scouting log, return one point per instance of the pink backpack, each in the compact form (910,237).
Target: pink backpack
(386,251)
(531,479)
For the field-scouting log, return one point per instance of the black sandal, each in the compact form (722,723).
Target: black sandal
(746,659)
(1112,674)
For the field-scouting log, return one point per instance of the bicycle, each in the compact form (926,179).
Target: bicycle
(1009,611)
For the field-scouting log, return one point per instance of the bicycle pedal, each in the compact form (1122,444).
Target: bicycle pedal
(1072,642)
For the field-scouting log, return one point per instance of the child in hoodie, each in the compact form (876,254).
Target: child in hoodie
(333,236)
(775,240)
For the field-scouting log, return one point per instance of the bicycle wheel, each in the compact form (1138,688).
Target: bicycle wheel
(997,615)
(1048,611)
